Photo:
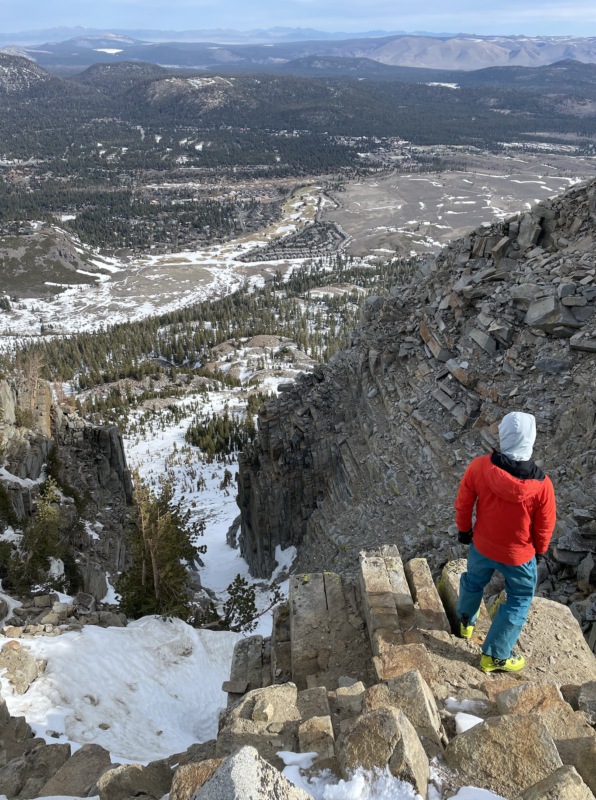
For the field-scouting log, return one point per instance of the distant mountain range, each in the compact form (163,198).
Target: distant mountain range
(463,52)
(221,35)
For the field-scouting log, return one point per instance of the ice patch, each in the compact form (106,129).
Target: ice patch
(451,703)
(463,722)
(111,596)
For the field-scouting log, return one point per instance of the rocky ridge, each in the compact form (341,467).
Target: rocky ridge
(370,448)
(92,463)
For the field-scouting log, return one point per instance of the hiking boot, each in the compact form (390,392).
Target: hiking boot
(512,664)
(466,631)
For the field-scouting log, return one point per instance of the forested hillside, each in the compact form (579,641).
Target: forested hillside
(180,109)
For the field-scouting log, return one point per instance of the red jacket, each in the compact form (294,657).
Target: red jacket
(514,518)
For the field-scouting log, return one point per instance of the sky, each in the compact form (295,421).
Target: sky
(528,17)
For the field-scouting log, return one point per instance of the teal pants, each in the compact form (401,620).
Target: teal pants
(520,584)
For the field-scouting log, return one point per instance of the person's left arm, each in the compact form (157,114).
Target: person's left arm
(464,505)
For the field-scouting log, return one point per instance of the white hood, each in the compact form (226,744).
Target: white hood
(517,433)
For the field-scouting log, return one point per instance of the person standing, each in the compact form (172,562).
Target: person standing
(515,518)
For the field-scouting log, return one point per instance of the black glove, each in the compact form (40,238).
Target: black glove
(539,558)
(465,537)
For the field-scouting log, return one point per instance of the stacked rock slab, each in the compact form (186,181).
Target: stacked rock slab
(534,731)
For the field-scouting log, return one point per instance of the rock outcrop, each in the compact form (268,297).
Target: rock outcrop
(387,694)
(91,462)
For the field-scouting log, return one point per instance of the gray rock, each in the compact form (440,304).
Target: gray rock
(549,315)
(24,776)
(524,294)
(4,713)
(585,570)
(563,784)
(586,701)
(349,699)
(380,738)
(246,776)
(410,693)
(84,603)
(553,366)
(566,289)
(529,231)
(131,780)
(79,773)
(252,719)
(201,751)
(13,777)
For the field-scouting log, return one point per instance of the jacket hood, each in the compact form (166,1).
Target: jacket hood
(509,488)
(517,434)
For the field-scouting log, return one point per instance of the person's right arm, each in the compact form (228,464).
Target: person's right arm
(464,503)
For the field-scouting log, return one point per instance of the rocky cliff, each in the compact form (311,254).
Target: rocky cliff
(370,448)
(91,461)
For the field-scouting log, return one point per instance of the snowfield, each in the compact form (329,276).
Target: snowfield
(154,687)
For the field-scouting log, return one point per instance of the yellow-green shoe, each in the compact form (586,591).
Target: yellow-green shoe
(512,664)
(466,631)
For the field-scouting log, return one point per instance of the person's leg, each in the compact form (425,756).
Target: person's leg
(471,585)
(520,584)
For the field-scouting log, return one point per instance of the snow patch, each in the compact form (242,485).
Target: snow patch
(156,684)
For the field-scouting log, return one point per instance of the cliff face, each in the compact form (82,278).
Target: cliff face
(92,462)
(370,448)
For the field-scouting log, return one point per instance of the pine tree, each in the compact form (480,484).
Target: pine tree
(161,543)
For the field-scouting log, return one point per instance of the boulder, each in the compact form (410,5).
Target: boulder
(21,668)
(395,659)
(203,751)
(246,776)
(79,773)
(553,366)
(349,700)
(316,736)
(130,780)
(314,703)
(4,713)
(410,693)
(585,763)
(567,727)
(84,603)
(529,231)
(26,775)
(551,316)
(504,754)
(190,777)
(12,777)
(278,731)
(563,784)
(380,738)
(524,294)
